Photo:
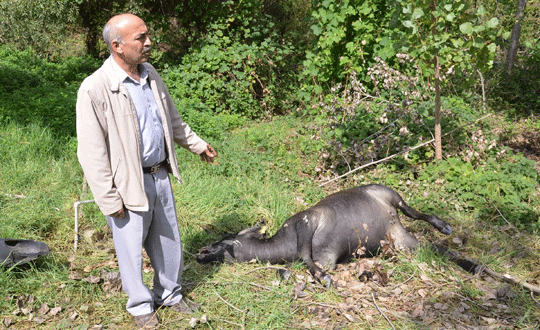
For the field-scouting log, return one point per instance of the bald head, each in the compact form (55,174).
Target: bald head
(115,28)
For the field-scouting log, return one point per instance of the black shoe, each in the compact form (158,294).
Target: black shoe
(186,306)
(147,321)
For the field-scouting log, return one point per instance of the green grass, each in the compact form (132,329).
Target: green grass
(264,172)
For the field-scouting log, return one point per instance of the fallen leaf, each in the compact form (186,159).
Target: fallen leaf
(193,322)
(26,310)
(92,279)
(204,319)
(440,306)
(370,312)
(44,309)
(298,291)
(75,276)
(40,319)
(489,320)
(418,311)
(74,316)
(422,293)
(55,311)
(352,318)
(7,322)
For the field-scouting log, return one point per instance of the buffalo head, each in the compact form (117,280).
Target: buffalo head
(223,250)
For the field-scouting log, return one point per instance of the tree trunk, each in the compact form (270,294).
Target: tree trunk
(437,112)
(94,14)
(514,39)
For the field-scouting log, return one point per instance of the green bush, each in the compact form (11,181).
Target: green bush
(34,90)
(44,25)
(349,36)
(507,184)
(242,66)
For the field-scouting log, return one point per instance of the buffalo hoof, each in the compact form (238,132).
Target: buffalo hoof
(446,229)
(441,225)
(327,281)
(18,252)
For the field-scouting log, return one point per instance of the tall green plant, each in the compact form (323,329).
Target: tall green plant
(349,35)
(242,66)
(446,36)
(43,25)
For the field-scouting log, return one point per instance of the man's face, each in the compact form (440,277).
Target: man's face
(136,46)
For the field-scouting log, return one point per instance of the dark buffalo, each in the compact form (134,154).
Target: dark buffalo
(330,232)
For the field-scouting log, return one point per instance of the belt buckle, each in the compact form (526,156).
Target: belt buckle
(154,169)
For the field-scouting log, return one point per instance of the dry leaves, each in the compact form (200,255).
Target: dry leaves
(428,296)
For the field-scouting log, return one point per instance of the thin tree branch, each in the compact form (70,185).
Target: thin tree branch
(380,311)
(510,279)
(226,302)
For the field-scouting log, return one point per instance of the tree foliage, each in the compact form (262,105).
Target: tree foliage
(242,66)
(349,35)
(41,24)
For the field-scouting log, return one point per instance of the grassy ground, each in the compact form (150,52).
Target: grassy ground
(262,174)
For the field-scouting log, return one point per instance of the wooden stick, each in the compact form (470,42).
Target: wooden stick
(266,267)
(380,311)
(508,278)
(226,302)
(377,162)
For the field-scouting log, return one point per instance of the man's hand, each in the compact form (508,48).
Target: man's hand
(208,155)
(120,214)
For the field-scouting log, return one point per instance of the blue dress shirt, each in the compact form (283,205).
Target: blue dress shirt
(150,122)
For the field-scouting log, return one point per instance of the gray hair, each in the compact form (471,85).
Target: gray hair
(111,34)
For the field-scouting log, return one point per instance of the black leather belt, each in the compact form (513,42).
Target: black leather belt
(154,169)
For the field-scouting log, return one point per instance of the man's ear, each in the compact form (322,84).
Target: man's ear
(117,46)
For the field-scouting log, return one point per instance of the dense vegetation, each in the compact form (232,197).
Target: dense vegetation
(292,94)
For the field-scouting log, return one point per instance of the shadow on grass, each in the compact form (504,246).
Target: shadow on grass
(200,273)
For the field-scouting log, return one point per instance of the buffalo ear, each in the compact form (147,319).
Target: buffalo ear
(253,232)
(228,254)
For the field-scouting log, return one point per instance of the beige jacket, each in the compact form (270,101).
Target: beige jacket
(109,139)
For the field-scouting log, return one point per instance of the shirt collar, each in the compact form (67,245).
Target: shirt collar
(122,75)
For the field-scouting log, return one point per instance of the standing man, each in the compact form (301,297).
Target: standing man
(126,128)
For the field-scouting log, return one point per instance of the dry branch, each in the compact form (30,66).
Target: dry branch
(508,278)
(380,311)
(226,302)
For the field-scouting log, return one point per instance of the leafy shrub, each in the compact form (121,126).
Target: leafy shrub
(242,66)
(349,35)
(362,126)
(520,91)
(34,90)
(508,184)
(40,24)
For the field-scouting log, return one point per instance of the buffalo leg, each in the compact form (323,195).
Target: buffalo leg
(305,249)
(441,226)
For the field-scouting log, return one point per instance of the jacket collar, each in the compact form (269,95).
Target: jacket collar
(117,75)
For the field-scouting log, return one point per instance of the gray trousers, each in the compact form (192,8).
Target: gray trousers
(156,231)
